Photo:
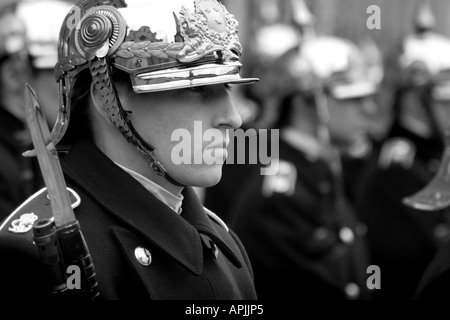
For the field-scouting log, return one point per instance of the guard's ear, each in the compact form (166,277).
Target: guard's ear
(98,104)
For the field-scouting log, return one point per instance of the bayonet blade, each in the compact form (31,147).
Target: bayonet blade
(48,161)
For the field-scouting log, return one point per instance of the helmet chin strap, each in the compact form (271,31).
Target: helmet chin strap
(101,77)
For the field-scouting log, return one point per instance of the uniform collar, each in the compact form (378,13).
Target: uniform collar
(143,212)
(159,192)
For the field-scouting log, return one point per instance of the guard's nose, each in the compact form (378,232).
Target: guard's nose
(226,114)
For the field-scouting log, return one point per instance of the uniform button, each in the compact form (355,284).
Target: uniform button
(143,256)
(214,249)
(347,235)
(352,291)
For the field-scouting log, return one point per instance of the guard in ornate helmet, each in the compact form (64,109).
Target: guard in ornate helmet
(143,117)
(301,233)
(17,177)
(403,240)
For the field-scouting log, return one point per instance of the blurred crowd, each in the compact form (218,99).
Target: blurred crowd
(358,136)
(348,157)
(28,41)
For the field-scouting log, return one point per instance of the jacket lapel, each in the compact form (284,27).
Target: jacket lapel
(195,214)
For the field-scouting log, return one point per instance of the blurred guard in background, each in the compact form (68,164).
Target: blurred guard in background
(358,156)
(221,197)
(270,41)
(42,42)
(17,177)
(262,54)
(403,240)
(302,235)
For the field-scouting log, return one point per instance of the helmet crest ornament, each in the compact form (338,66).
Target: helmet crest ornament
(99,33)
(210,28)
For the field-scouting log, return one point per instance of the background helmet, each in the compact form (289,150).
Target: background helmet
(267,46)
(424,72)
(12,31)
(13,59)
(335,64)
(425,60)
(325,64)
(425,56)
(43,19)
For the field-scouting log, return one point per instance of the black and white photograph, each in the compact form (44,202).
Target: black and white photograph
(234,158)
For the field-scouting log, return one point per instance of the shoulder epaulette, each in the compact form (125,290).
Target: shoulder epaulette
(397,151)
(22,219)
(216,218)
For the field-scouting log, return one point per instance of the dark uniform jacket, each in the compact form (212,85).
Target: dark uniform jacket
(356,169)
(18,178)
(193,256)
(402,240)
(300,246)
(435,282)
(221,197)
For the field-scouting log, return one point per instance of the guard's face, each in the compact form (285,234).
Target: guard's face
(188,128)
(348,120)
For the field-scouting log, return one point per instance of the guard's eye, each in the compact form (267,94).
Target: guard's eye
(200,89)
(203,89)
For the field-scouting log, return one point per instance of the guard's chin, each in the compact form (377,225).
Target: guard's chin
(202,176)
(209,177)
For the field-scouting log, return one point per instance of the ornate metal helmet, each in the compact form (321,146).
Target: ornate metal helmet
(161,44)
(327,63)
(269,44)
(426,61)
(43,34)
